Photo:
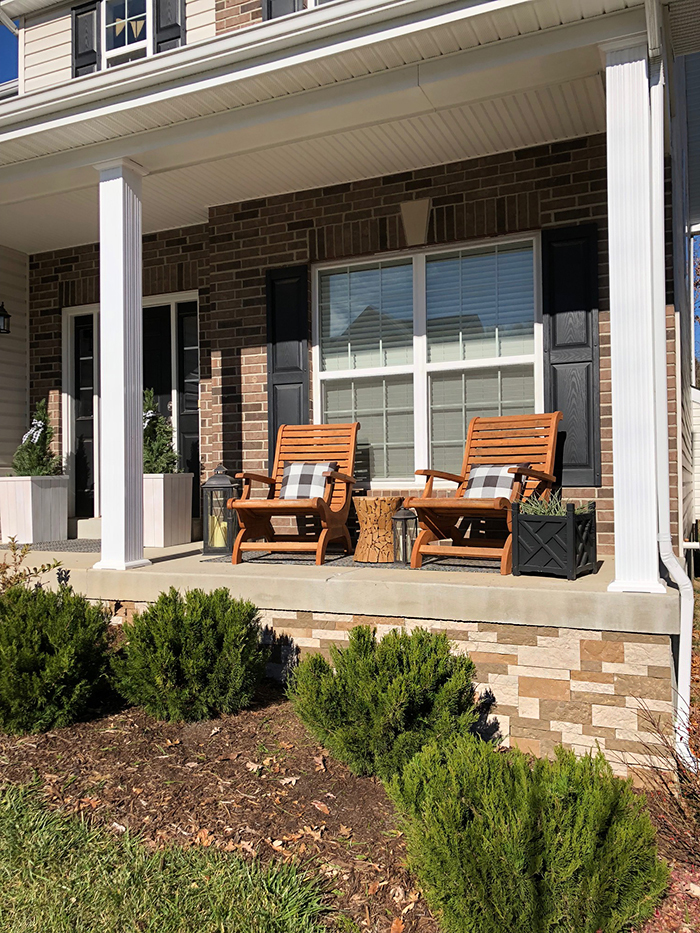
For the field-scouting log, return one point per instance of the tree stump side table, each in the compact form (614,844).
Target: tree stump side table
(375,544)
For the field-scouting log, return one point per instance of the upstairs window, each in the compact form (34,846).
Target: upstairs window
(107,33)
(271,9)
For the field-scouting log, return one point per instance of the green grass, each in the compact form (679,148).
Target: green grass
(60,875)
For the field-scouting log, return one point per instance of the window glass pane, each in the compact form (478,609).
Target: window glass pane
(367,316)
(456,398)
(480,303)
(384,408)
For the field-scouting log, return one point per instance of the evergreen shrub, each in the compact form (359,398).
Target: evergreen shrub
(192,657)
(381,701)
(501,843)
(53,658)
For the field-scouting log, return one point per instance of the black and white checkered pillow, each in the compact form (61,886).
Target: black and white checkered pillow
(304,480)
(490,481)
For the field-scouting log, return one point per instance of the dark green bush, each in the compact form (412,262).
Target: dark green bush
(499,843)
(382,701)
(53,658)
(192,657)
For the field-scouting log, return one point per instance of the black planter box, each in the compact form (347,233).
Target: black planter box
(556,545)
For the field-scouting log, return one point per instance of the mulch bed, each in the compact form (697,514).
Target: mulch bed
(255,783)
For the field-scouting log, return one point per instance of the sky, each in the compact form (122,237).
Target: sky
(8,55)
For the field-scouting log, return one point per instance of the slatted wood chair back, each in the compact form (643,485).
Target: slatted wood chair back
(317,443)
(513,440)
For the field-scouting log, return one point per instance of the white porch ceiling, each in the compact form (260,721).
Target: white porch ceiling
(182,196)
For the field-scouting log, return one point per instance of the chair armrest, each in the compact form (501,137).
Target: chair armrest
(535,474)
(260,477)
(438,474)
(343,477)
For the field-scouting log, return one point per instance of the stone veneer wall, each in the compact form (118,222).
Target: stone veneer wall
(581,689)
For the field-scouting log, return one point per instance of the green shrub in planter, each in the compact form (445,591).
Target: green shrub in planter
(53,658)
(500,843)
(192,657)
(382,701)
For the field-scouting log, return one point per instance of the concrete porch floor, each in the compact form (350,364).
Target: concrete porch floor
(460,596)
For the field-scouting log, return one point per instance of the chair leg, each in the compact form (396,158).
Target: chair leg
(507,557)
(424,536)
(321,546)
(347,540)
(237,556)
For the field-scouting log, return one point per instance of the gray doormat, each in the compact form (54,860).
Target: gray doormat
(344,560)
(76,545)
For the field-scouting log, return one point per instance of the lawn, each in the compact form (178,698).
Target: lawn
(60,875)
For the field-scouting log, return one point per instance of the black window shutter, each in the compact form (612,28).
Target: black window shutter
(271,9)
(86,39)
(169,25)
(287,349)
(571,351)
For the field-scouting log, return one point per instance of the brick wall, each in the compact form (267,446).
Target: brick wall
(235,14)
(226,260)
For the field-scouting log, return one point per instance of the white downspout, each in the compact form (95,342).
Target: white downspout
(663,479)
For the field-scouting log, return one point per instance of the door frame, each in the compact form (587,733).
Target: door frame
(68,375)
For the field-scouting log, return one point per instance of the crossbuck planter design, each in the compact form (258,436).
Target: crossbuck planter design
(556,545)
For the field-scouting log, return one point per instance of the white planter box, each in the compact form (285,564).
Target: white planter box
(33,508)
(167,509)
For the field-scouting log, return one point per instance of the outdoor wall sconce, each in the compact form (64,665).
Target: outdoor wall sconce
(220,523)
(405,523)
(4,319)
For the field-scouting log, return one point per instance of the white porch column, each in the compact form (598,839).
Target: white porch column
(121,366)
(631,323)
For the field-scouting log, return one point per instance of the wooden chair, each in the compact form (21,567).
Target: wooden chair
(483,527)
(310,443)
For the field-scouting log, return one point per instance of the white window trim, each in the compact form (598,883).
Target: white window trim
(68,372)
(148,43)
(420,368)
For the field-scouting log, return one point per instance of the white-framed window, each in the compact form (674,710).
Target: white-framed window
(413,345)
(127,31)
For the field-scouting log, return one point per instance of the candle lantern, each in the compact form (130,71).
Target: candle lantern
(220,524)
(4,319)
(405,523)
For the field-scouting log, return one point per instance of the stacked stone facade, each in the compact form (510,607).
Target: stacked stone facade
(225,260)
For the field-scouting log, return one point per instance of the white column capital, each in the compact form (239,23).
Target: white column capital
(119,168)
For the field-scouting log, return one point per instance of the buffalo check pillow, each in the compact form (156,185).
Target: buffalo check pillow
(304,480)
(491,481)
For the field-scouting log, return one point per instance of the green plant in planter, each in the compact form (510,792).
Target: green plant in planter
(34,456)
(536,505)
(158,453)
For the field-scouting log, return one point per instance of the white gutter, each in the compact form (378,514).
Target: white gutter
(663,479)
(6,21)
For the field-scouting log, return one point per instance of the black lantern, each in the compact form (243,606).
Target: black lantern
(220,523)
(405,523)
(4,320)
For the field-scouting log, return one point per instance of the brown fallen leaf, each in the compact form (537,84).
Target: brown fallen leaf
(397,926)
(287,745)
(253,766)
(247,847)
(320,806)
(345,830)
(291,781)
(202,838)
(320,762)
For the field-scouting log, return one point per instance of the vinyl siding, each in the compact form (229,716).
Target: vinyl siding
(696,450)
(47,50)
(13,354)
(200,20)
